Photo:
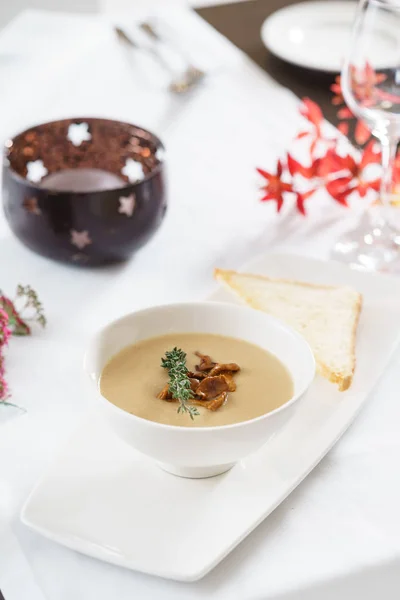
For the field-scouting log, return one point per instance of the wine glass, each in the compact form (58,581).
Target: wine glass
(371,89)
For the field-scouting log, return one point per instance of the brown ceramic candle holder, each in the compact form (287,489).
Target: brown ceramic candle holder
(85,191)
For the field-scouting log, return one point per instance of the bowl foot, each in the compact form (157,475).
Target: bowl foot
(196,472)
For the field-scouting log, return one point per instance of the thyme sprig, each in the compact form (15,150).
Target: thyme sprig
(179,383)
(30,304)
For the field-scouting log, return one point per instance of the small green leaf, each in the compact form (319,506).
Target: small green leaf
(179,383)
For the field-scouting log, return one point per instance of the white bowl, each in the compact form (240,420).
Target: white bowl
(200,451)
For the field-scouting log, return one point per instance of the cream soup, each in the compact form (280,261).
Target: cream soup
(133,378)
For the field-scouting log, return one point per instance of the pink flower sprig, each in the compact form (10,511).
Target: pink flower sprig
(5,330)
(5,333)
(13,321)
(3,384)
(25,308)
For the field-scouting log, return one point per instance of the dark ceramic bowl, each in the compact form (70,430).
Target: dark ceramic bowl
(86,191)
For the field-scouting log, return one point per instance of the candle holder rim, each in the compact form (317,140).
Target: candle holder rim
(7,145)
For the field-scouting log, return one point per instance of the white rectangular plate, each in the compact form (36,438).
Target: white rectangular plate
(102,499)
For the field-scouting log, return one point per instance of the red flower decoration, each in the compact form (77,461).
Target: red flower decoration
(275,188)
(396,169)
(312,112)
(364,84)
(336,88)
(301,198)
(343,128)
(361,132)
(352,174)
(317,173)
(320,167)
(339,175)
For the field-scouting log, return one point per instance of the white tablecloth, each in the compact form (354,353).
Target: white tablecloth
(338,534)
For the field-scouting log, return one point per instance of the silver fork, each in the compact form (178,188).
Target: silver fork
(192,73)
(178,85)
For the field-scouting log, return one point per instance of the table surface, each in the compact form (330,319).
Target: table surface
(322,541)
(240,22)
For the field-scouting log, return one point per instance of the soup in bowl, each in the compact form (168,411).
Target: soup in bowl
(198,386)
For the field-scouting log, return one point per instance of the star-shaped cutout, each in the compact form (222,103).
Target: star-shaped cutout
(31,206)
(160,154)
(133,170)
(80,239)
(35,170)
(127,205)
(78,133)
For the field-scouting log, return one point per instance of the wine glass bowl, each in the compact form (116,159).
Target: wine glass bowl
(370,84)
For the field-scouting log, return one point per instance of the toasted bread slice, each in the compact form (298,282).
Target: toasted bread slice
(326,316)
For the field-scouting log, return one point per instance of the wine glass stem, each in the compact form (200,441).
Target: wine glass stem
(389,149)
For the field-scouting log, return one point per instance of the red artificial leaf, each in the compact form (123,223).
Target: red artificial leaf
(343,128)
(264,173)
(339,185)
(375,185)
(302,134)
(387,97)
(300,204)
(295,168)
(311,111)
(364,84)
(330,163)
(301,198)
(368,71)
(279,200)
(349,163)
(371,76)
(339,189)
(275,188)
(336,88)
(342,198)
(396,169)
(320,167)
(314,145)
(344,113)
(363,186)
(361,134)
(369,156)
(333,162)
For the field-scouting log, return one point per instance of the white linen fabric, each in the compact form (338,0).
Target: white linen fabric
(338,534)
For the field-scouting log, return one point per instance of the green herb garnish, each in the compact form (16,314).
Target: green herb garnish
(179,383)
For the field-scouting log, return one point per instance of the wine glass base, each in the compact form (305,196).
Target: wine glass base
(375,251)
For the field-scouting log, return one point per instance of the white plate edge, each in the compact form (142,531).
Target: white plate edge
(291,59)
